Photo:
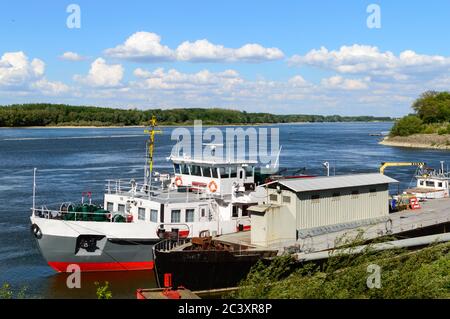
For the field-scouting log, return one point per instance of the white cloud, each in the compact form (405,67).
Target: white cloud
(19,76)
(298,81)
(338,82)
(50,88)
(205,51)
(71,56)
(142,47)
(147,47)
(102,74)
(16,69)
(369,60)
(173,79)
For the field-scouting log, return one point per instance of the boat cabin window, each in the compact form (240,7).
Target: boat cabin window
(273,198)
(206,171)
(121,208)
(196,170)
(233,172)
(110,206)
(223,171)
(287,199)
(203,212)
(430,183)
(177,168)
(175,216)
(141,213)
(440,184)
(214,172)
(248,171)
(154,215)
(184,169)
(241,174)
(235,212)
(421,183)
(190,215)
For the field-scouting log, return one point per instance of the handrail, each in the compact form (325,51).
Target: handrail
(46,213)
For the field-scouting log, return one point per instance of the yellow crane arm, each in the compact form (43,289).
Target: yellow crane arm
(390,164)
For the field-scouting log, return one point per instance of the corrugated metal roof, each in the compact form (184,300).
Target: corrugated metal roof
(333,182)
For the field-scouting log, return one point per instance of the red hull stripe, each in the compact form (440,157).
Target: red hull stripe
(245,228)
(113,266)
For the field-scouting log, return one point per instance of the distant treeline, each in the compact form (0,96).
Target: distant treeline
(58,114)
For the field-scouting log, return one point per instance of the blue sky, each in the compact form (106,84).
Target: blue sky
(315,57)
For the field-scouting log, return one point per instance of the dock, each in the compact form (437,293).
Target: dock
(432,212)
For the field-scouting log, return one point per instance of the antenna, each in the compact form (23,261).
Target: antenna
(150,146)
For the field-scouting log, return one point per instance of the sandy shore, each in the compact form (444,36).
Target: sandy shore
(431,141)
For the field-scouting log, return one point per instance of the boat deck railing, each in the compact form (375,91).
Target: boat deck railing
(46,213)
(153,192)
(170,244)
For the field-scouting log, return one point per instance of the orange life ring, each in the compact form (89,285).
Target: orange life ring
(178,181)
(212,186)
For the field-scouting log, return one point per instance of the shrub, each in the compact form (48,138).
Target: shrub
(407,125)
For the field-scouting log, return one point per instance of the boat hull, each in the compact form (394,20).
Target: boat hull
(91,251)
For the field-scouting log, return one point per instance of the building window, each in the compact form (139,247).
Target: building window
(109,206)
(234,212)
(287,199)
(121,208)
(153,215)
(273,198)
(189,215)
(175,216)
(141,213)
(315,198)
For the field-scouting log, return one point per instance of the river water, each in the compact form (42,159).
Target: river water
(71,161)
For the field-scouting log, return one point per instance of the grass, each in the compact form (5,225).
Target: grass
(404,274)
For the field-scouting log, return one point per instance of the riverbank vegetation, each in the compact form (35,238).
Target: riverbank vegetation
(66,115)
(403,274)
(431,116)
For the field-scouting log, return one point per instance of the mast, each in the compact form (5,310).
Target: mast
(150,146)
(34,189)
